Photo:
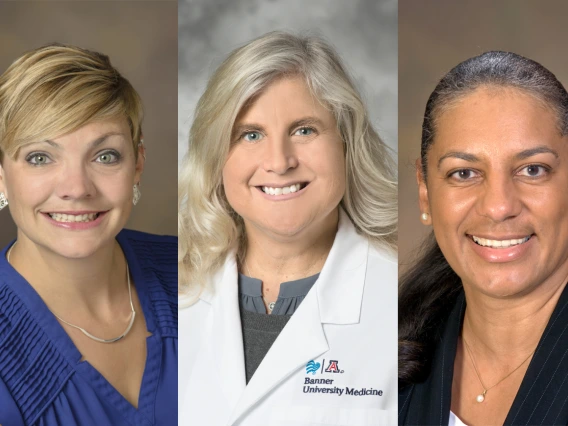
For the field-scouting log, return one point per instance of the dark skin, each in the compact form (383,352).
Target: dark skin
(497,173)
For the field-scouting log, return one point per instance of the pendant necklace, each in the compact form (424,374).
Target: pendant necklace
(85,332)
(481,396)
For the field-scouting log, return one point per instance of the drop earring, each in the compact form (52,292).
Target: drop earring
(3,200)
(425,216)
(137,194)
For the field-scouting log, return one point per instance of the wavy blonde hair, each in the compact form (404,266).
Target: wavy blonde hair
(208,227)
(55,90)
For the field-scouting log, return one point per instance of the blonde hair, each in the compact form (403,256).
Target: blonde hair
(208,227)
(56,89)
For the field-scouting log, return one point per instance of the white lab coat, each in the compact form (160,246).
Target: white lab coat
(349,316)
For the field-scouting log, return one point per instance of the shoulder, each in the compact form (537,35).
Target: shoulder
(157,253)
(156,257)
(382,267)
(33,370)
(138,237)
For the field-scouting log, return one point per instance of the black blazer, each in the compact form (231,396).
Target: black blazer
(542,398)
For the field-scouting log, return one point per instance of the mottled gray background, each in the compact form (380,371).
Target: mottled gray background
(435,37)
(141,40)
(364,32)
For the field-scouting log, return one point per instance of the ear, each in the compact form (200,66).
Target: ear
(422,194)
(2,186)
(140,161)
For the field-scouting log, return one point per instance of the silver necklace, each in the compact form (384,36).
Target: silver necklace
(85,332)
(269,305)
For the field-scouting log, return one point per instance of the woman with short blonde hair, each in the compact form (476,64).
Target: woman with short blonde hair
(88,331)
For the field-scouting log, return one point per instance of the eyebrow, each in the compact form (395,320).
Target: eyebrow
(92,144)
(255,127)
(471,158)
(534,151)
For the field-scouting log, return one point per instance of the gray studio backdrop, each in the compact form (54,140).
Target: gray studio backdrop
(364,32)
(140,37)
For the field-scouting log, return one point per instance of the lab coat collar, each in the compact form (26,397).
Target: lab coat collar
(342,279)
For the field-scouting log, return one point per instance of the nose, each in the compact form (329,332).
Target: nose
(500,199)
(75,182)
(280,155)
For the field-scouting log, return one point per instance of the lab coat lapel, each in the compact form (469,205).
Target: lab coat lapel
(335,298)
(226,338)
(300,341)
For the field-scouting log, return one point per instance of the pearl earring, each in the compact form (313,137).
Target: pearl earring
(425,216)
(3,200)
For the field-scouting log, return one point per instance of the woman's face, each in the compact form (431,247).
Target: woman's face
(73,194)
(497,192)
(285,173)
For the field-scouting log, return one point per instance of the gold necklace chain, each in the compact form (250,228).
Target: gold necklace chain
(85,332)
(481,396)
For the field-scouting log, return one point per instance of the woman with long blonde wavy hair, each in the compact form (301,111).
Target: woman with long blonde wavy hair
(287,218)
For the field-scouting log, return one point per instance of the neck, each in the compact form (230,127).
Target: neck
(511,327)
(91,283)
(275,260)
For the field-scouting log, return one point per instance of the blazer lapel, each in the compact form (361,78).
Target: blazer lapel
(543,396)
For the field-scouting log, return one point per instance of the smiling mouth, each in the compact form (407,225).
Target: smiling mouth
(283,190)
(485,242)
(61,217)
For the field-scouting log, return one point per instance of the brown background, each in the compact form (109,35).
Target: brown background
(434,36)
(140,37)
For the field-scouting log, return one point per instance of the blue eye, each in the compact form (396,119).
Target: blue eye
(304,131)
(252,136)
(108,157)
(38,159)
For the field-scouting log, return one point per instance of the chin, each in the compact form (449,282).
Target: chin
(503,287)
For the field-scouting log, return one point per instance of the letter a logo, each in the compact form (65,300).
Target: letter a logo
(332,367)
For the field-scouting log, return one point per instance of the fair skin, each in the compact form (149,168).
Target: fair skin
(77,267)
(497,171)
(286,138)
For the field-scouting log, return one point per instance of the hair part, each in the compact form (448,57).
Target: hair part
(56,89)
(429,289)
(209,228)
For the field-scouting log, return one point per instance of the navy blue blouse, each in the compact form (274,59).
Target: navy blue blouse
(42,378)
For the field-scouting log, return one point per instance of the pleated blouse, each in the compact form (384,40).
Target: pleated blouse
(42,378)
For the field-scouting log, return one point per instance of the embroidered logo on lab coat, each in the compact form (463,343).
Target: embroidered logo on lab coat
(329,385)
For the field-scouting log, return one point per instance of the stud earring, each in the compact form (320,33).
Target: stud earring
(425,216)
(137,194)
(3,201)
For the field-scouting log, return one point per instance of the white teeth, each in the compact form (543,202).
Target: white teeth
(499,243)
(281,191)
(62,217)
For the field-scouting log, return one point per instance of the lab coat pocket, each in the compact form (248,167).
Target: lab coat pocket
(332,416)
